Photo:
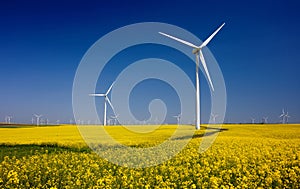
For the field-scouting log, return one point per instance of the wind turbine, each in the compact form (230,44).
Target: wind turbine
(252,120)
(282,116)
(213,117)
(114,119)
(106,99)
(265,119)
(287,117)
(37,118)
(178,117)
(197,50)
(8,119)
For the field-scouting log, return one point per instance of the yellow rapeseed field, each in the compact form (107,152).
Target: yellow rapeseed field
(242,156)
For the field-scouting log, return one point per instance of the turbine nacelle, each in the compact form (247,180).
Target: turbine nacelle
(196,50)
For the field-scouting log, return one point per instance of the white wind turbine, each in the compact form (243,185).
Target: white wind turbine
(282,116)
(8,119)
(106,99)
(114,118)
(37,118)
(214,117)
(285,116)
(178,117)
(197,50)
(265,119)
(252,120)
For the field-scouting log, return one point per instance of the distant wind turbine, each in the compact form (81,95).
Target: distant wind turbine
(8,119)
(37,118)
(265,120)
(178,117)
(114,119)
(285,117)
(214,117)
(106,99)
(282,115)
(252,120)
(197,50)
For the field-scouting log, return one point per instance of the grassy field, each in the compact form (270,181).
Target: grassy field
(242,156)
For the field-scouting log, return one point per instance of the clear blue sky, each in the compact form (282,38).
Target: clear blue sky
(42,43)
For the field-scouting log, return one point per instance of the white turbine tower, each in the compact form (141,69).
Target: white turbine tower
(37,118)
(106,99)
(178,117)
(214,117)
(197,50)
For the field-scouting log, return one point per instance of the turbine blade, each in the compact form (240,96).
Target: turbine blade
(97,95)
(205,69)
(110,88)
(179,40)
(210,37)
(107,99)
